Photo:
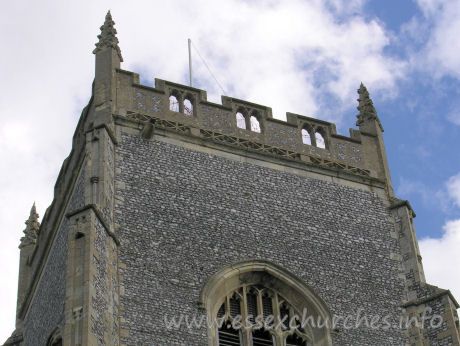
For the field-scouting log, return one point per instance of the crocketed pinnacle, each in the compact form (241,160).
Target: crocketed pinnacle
(108,38)
(366,108)
(31,231)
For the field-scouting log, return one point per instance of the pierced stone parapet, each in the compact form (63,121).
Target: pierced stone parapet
(238,122)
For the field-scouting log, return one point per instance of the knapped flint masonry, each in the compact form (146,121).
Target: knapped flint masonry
(171,205)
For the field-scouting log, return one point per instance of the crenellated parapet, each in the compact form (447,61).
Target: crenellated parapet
(248,126)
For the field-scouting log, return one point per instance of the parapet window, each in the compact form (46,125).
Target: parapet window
(255,124)
(240,121)
(306,138)
(320,143)
(188,107)
(314,136)
(246,122)
(173,103)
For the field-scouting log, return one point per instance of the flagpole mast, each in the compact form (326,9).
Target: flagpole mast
(190,59)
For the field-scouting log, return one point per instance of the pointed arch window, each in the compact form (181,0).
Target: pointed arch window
(188,107)
(255,124)
(173,103)
(320,142)
(240,121)
(249,300)
(314,135)
(306,138)
(251,122)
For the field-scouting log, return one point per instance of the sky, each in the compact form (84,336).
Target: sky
(305,57)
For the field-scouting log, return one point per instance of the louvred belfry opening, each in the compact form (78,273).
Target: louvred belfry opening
(238,322)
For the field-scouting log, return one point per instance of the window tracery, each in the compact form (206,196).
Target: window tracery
(238,290)
(247,120)
(259,316)
(314,135)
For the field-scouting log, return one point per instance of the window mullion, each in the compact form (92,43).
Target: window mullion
(279,340)
(276,311)
(181,104)
(247,118)
(313,137)
(244,313)
(260,309)
(227,306)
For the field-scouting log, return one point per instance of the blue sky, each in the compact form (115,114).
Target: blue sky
(392,13)
(422,139)
(306,57)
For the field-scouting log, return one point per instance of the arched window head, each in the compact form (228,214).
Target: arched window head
(173,103)
(306,139)
(188,107)
(249,299)
(255,124)
(240,121)
(320,142)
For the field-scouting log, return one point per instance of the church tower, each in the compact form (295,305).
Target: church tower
(178,221)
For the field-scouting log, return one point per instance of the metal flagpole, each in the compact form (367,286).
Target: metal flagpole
(190,59)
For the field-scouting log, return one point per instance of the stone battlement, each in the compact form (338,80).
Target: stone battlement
(304,139)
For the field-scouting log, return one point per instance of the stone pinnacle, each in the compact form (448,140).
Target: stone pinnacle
(108,38)
(366,107)
(32,227)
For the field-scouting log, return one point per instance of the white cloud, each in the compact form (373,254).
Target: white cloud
(453,189)
(259,52)
(446,199)
(441,258)
(440,255)
(442,52)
